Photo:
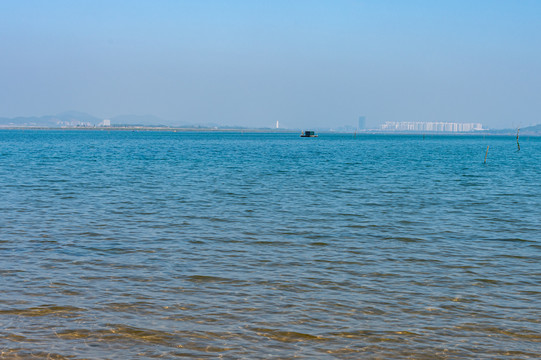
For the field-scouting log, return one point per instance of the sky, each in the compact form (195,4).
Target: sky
(306,63)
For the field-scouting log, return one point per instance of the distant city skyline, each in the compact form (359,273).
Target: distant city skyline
(430,126)
(80,119)
(307,64)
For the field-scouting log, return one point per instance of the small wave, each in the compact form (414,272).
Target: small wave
(287,336)
(511,240)
(208,279)
(17,354)
(516,333)
(272,243)
(404,239)
(377,336)
(44,310)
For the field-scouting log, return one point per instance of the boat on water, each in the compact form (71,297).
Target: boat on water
(308,134)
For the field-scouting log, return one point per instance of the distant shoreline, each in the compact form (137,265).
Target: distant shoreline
(270,131)
(146,128)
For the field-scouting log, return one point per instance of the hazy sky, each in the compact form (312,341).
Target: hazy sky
(250,63)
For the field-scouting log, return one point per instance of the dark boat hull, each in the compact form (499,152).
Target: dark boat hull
(308,134)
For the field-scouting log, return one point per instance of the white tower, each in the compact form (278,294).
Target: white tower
(277,124)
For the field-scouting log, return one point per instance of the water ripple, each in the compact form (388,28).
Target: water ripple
(254,246)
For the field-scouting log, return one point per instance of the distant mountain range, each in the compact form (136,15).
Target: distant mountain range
(528,130)
(535,129)
(68,118)
(80,119)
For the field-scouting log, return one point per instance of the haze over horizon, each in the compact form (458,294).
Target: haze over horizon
(304,63)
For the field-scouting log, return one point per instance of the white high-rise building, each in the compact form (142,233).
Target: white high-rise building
(430,126)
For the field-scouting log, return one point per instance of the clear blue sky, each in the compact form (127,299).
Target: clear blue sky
(250,63)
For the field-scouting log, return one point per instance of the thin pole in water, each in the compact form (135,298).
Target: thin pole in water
(518,145)
(486,153)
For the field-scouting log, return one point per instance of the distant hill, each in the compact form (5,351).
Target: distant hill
(532,129)
(68,118)
(78,119)
(81,119)
(528,130)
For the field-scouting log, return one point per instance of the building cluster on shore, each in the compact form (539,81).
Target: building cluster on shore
(430,126)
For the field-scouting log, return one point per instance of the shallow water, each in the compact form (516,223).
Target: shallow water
(159,244)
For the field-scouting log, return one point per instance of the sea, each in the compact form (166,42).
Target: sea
(245,245)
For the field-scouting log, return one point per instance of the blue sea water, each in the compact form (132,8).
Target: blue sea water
(156,244)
